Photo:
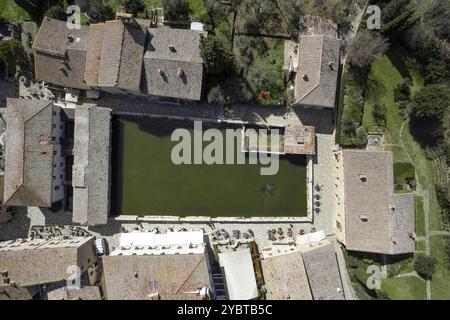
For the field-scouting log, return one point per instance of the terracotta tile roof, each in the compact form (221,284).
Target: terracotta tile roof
(318,63)
(143,277)
(41,261)
(323,272)
(376,219)
(60,54)
(285,277)
(172,62)
(91,169)
(29,153)
(122,51)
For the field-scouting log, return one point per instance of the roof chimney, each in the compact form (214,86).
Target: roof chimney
(180,72)
(305,77)
(172,48)
(331,65)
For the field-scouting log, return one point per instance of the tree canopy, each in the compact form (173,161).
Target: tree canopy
(425,265)
(431,102)
(13,54)
(365,47)
(133,6)
(217,56)
(176,10)
(56,12)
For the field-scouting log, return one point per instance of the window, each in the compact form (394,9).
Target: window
(61,164)
(54,153)
(56,188)
(362,177)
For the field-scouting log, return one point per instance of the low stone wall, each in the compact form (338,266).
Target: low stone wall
(205,219)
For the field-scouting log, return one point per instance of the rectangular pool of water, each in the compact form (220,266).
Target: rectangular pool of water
(145,181)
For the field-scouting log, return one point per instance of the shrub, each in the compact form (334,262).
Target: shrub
(354,262)
(434,152)
(381,295)
(428,109)
(216,96)
(292,10)
(361,136)
(357,139)
(13,54)
(56,12)
(431,102)
(436,71)
(403,172)
(379,113)
(176,10)
(349,126)
(217,56)
(447,155)
(402,92)
(442,196)
(216,11)
(425,265)
(133,6)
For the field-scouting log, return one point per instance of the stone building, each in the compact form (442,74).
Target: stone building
(312,64)
(34,163)
(370,217)
(29,262)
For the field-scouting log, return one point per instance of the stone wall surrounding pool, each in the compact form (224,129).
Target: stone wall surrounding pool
(146,186)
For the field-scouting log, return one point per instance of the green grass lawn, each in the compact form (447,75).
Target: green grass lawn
(386,73)
(402,172)
(273,61)
(420,218)
(400,264)
(383,78)
(406,288)
(368,120)
(15,10)
(425,172)
(440,283)
(114,4)
(196,7)
(420,245)
(152,4)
